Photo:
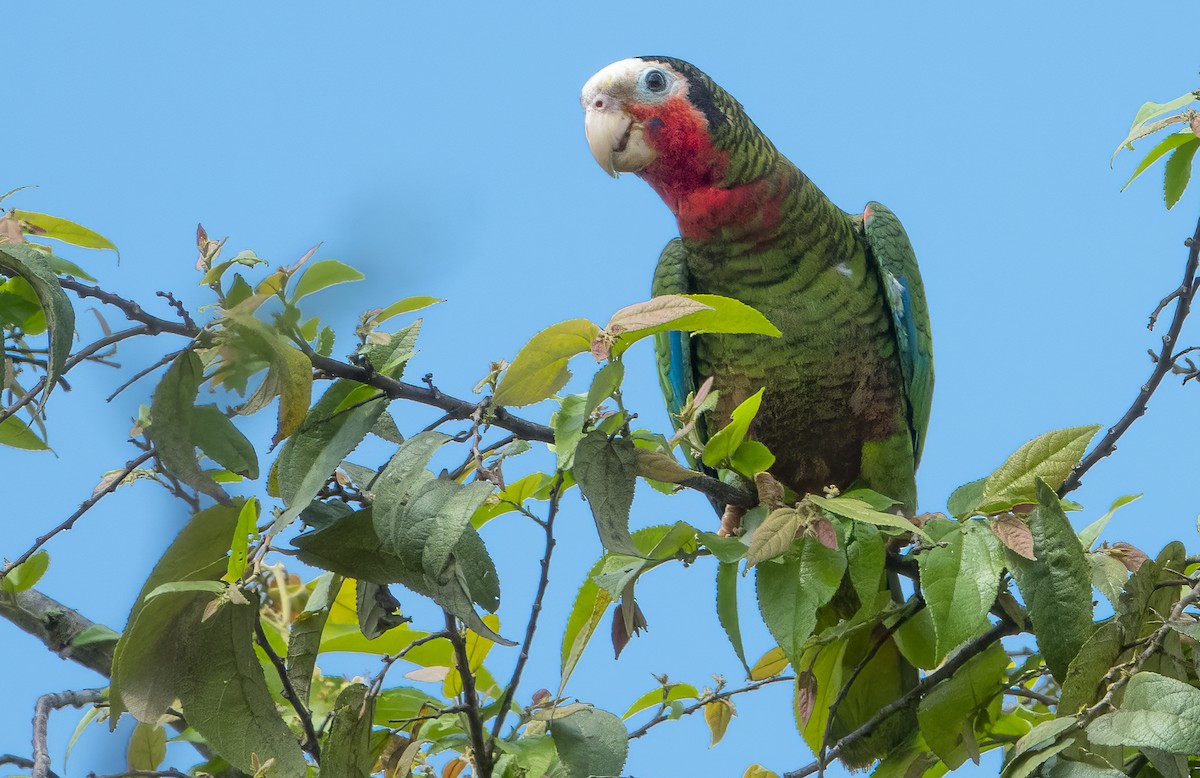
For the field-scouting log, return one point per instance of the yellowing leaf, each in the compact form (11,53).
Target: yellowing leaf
(718,714)
(770,665)
(325,273)
(540,368)
(47,226)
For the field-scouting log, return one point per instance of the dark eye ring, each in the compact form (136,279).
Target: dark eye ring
(656,81)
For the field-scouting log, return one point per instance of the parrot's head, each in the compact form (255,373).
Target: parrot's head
(668,122)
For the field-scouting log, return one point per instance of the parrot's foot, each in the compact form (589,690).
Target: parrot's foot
(731,521)
(770,491)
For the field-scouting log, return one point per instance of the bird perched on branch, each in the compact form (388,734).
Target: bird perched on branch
(848,385)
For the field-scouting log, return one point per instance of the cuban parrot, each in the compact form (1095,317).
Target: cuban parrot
(849,383)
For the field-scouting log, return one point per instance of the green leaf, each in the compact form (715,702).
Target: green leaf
(1039,745)
(590,742)
(96,633)
(347,748)
(333,428)
(865,557)
(1057,587)
(147,747)
(791,590)
(1151,110)
(407,305)
(606,381)
(304,639)
(239,547)
(64,267)
(1167,144)
(1157,712)
(172,421)
(966,499)
(46,226)
(1179,171)
(16,433)
(290,374)
(25,262)
(1091,533)
(751,458)
(661,696)
(722,445)
(26,575)
(727,609)
(961,577)
(144,672)
(956,701)
(540,367)
(859,510)
(568,422)
(1084,681)
(1050,457)
(222,442)
(176,587)
(606,470)
(320,275)
(1108,576)
(719,315)
(225,695)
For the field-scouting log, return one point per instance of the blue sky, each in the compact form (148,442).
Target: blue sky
(442,152)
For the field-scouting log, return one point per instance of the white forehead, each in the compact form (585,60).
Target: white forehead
(620,72)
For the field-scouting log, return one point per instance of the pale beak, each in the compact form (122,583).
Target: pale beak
(616,141)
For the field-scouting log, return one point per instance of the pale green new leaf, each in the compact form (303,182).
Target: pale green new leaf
(662,696)
(1179,171)
(1141,126)
(16,433)
(1049,457)
(720,314)
(1165,146)
(407,305)
(147,747)
(26,575)
(540,367)
(47,226)
(323,274)
(1091,533)
(722,445)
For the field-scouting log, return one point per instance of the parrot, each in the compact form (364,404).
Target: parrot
(848,385)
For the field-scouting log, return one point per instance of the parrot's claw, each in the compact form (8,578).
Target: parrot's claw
(731,521)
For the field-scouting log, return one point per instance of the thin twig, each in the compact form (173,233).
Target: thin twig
(534,612)
(311,745)
(142,374)
(1182,297)
(87,505)
(949,668)
(662,716)
(479,743)
(41,720)
(388,661)
(1045,699)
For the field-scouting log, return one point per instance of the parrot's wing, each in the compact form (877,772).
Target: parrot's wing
(893,256)
(673,349)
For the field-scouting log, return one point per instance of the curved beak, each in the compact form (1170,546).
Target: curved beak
(615,139)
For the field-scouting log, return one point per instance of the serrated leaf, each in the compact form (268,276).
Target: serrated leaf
(26,575)
(1166,145)
(606,381)
(722,445)
(323,274)
(1179,171)
(961,577)
(1057,587)
(540,367)
(332,429)
(25,262)
(791,590)
(606,470)
(1150,110)
(347,747)
(774,536)
(568,422)
(721,315)
(658,466)
(223,442)
(590,742)
(1157,712)
(1014,533)
(859,510)
(1050,457)
(61,229)
(172,420)
(718,714)
(727,609)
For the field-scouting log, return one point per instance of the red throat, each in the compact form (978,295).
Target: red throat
(688,173)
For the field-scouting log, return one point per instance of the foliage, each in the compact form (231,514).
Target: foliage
(226,638)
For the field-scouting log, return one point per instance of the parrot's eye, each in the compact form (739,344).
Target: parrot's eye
(656,81)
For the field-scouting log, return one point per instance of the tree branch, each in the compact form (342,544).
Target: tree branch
(661,715)
(57,626)
(41,722)
(949,668)
(534,612)
(87,505)
(479,742)
(311,745)
(1182,297)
